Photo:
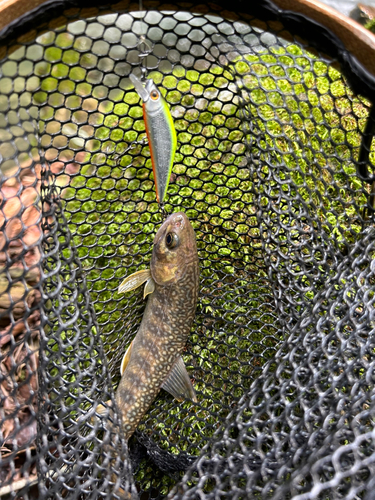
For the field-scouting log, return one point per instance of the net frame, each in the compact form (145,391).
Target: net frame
(214,467)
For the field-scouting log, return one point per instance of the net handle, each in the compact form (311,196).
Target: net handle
(359,41)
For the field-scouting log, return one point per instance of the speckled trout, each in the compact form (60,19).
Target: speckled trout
(153,360)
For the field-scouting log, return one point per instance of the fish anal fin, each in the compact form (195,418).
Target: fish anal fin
(125,359)
(134,280)
(178,382)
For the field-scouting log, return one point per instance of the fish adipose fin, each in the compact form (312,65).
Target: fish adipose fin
(137,279)
(178,382)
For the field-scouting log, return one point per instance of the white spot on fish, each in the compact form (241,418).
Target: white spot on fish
(178,221)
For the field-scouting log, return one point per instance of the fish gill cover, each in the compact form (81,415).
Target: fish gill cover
(281,353)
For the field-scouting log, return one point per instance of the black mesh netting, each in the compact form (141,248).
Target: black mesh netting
(274,168)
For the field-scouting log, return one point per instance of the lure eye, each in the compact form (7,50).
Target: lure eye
(171,240)
(154,95)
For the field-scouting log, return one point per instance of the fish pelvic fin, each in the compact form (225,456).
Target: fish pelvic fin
(100,410)
(125,359)
(137,279)
(103,410)
(178,382)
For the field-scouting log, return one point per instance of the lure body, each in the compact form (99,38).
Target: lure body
(160,132)
(153,359)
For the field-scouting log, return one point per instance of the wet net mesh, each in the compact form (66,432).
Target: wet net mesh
(274,168)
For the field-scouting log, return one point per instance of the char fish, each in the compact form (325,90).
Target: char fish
(160,132)
(153,360)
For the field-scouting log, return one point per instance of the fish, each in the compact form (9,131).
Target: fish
(153,359)
(160,131)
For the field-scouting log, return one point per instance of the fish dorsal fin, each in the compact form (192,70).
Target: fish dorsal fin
(125,359)
(178,382)
(137,279)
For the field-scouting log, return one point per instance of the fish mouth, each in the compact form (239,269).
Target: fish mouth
(178,221)
(174,221)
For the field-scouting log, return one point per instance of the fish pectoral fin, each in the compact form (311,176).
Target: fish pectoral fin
(149,287)
(125,359)
(134,280)
(178,382)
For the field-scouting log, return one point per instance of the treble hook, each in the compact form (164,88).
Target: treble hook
(164,213)
(116,157)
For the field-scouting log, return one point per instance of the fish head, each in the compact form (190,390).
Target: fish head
(149,93)
(174,247)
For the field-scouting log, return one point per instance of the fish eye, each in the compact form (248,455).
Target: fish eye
(171,240)
(154,95)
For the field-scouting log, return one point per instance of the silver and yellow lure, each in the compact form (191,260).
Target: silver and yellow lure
(160,131)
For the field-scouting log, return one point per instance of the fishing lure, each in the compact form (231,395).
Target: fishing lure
(160,131)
